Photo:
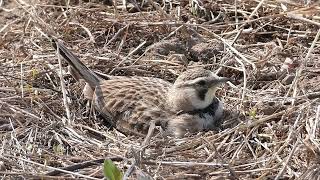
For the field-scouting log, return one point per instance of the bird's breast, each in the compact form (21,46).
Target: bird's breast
(210,116)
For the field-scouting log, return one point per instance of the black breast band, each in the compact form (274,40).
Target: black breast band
(211,109)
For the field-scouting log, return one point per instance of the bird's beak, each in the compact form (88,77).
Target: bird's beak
(223,79)
(218,80)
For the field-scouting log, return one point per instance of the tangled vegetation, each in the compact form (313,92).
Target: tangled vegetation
(271,128)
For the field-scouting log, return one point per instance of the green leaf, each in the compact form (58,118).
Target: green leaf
(253,113)
(111,171)
(34,73)
(58,149)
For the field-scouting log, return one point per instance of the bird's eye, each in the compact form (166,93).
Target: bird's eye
(201,82)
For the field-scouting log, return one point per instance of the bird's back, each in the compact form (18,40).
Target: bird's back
(132,102)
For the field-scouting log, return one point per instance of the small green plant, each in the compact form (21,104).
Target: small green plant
(58,149)
(253,112)
(34,72)
(111,171)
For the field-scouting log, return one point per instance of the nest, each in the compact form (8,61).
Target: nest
(271,125)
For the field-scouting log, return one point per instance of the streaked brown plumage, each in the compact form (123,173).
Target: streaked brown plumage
(131,103)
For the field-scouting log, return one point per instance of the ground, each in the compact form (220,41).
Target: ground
(272,108)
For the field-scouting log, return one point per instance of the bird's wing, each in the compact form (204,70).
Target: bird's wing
(134,102)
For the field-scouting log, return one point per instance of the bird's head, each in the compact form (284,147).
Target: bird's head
(194,89)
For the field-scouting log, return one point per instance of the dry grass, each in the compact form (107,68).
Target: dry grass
(271,48)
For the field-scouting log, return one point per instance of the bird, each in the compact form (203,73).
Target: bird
(131,103)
